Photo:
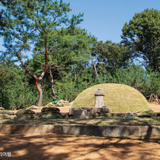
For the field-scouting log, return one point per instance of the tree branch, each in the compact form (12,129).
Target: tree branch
(31,74)
(18,38)
(23,27)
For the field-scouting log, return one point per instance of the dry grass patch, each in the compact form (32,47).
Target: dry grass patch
(116,120)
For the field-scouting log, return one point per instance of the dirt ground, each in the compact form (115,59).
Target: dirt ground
(155,107)
(66,147)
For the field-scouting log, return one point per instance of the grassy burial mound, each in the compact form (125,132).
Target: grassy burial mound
(118,97)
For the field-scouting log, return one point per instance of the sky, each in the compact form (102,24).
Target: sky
(105,18)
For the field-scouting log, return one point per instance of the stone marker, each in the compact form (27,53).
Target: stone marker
(50,112)
(25,114)
(99,102)
(33,107)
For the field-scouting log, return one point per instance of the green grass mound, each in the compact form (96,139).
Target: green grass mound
(119,98)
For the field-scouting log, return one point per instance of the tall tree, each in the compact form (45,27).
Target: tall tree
(30,22)
(142,35)
(69,47)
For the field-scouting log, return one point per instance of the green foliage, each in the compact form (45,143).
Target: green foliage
(14,90)
(35,22)
(142,36)
(110,56)
(133,75)
(154,83)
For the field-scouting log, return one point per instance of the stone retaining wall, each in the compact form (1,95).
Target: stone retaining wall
(90,130)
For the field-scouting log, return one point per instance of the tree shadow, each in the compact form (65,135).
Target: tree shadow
(64,147)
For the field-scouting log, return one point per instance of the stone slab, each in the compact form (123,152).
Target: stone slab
(25,129)
(112,131)
(121,131)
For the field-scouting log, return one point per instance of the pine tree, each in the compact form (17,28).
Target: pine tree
(67,49)
(29,22)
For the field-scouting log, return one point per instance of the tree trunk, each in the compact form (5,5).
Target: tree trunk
(40,94)
(52,81)
(37,79)
(95,71)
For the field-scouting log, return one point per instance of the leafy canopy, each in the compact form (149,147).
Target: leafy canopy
(30,21)
(110,56)
(142,34)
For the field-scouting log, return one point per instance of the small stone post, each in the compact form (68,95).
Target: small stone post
(99,102)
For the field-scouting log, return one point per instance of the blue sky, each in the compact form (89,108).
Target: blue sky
(105,18)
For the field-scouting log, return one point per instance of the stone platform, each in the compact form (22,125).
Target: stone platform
(121,131)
